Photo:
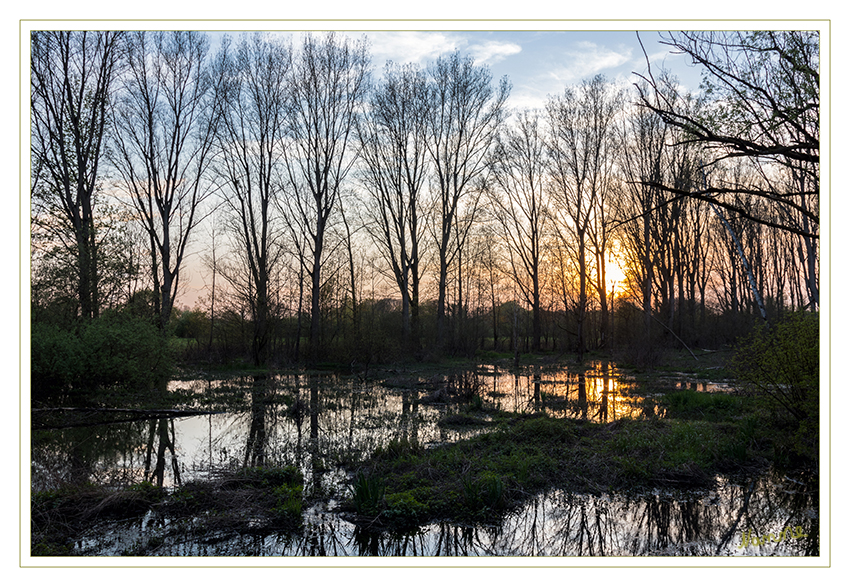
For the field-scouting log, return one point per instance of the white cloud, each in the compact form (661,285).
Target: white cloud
(492,51)
(423,47)
(587,59)
(411,47)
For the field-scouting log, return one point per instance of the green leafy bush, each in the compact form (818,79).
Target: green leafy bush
(57,358)
(116,349)
(782,362)
(404,509)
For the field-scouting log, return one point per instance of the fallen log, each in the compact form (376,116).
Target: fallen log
(89,414)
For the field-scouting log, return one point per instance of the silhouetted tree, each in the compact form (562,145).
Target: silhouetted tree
(764,88)
(581,141)
(166,120)
(519,206)
(329,82)
(392,136)
(464,115)
(71,78)
(255,102)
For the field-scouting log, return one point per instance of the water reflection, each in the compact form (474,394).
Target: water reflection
(161,438)
(110,455)
(312,420)
(556,523)
(320,422)
(598,394)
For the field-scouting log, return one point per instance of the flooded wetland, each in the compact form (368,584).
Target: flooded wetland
(321,294)
(485,461)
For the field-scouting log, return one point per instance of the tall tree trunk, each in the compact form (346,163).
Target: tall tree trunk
(315,301)
(582,297)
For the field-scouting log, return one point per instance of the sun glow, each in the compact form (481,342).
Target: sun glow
(615,276)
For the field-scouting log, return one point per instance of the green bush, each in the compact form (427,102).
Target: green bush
(404,509)
(116,349)
(57,358)
(782,362)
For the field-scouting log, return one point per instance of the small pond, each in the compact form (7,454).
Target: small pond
(319,421)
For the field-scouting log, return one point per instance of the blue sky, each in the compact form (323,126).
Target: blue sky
(538,63)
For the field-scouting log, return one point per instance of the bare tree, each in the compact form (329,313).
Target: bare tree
(392,137)
(465,113)
(329,82)
(71,77)
(606,104)
(764,88)
(581,126)
(166,122)
(255,102)
(519,206)
(644,208)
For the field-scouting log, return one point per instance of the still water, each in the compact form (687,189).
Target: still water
(316,422)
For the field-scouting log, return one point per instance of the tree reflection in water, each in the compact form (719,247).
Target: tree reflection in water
(560,523)
(255,452)
(161,438)
(316,421)
(557,523)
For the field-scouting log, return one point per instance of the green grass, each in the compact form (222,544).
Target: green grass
(483,477)
(692,405)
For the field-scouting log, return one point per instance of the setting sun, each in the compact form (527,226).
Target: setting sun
(615,277)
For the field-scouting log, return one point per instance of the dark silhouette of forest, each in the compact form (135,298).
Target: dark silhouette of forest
(352,213)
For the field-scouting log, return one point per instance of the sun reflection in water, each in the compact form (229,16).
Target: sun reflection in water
(599,394)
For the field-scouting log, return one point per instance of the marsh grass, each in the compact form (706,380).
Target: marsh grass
(482,478)
(693,405)
(58,515)
(249,500)
(367,493)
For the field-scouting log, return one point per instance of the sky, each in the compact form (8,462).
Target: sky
(537,63)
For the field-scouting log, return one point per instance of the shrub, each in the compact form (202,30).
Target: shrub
(404,509)
(782,363)
(57,358)
(116,349)
(124,350)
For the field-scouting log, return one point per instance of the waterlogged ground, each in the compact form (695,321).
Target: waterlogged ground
(322,424)
(723,522)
